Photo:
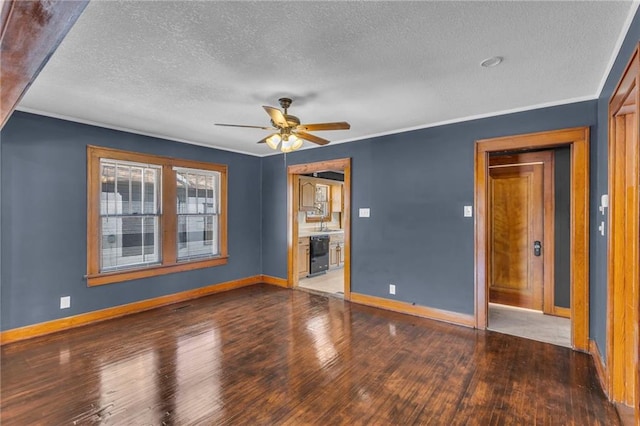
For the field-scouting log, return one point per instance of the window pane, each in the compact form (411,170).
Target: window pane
(129,241)
(151,189)
(108,188)
(181,192)
(210,192)
(202,185)
(150,239)
(136,190)
(123,181)
(131,236)
(192,194)
(197,236)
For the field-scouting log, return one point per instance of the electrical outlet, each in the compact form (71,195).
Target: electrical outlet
(65,302)
(392,289)
(468,211)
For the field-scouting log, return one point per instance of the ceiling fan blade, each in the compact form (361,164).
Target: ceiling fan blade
(244,125)
(341,125)
(276,116)
(264,140)
(311,138)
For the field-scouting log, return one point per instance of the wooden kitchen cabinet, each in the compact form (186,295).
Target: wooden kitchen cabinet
(307,195)
(303,257)
(336,198)
(336,251)
(334,255)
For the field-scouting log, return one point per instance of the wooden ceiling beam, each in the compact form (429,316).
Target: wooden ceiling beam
(31,32)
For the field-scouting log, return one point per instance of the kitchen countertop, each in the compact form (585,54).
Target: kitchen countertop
(314,233)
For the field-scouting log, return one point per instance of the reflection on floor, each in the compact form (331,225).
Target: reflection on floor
(529,324)
(331,282)
(265,355)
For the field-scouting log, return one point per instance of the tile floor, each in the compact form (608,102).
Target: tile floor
(331,282)
(530,324)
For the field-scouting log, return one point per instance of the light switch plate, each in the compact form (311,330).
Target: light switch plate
(364,212)
(468,211)
(65,302)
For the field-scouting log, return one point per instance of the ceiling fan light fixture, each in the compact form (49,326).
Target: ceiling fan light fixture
(273,141)
(297,142)
(287,144)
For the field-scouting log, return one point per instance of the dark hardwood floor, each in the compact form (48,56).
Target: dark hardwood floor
(263,355)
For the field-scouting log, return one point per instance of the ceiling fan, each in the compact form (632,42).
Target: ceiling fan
(290,133)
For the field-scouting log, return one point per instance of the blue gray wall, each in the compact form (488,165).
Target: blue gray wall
(599,182)
(562,232)
(416,184)
(44,219)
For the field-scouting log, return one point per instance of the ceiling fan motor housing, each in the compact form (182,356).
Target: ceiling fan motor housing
(292,120)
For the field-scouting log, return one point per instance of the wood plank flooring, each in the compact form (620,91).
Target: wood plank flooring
(264,355)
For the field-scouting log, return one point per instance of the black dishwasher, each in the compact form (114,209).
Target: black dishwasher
(319,254)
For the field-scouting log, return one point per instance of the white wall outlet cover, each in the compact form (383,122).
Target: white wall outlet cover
(364,212)
(65,302)
(604,200)
(392,289)
(468,211)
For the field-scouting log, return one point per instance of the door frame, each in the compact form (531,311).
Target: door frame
(578,140)
(293,194)
(623,247)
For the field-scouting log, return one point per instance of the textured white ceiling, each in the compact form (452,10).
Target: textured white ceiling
(174,68)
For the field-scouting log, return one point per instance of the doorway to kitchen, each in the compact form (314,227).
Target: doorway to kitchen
(319,219)
(577,142)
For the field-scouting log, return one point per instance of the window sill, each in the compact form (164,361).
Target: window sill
(133,274)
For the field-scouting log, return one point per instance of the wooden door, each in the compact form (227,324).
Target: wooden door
(516,224)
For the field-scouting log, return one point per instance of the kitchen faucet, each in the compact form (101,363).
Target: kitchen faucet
(322,228)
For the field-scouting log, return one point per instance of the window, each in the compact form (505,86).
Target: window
(197,213)
(322,204)
(129,214)
(150,215)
